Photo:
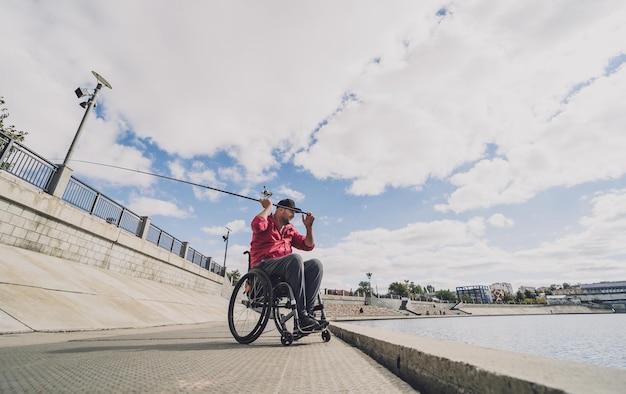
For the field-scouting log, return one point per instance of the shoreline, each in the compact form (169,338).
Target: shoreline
(473,310)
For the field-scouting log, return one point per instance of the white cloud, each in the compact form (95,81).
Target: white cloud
(286,192)
(146,206)
(235,226)
(499,220)
(494,102)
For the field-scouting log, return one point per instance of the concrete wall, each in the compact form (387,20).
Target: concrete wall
(385,302)
(42,293)
(343,300)
(34,220)
(504,309)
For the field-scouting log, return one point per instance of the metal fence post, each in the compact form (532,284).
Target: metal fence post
(6,151)
(144,227)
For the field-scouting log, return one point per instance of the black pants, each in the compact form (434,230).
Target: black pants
(304,277)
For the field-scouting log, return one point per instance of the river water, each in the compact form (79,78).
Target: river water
(598,339)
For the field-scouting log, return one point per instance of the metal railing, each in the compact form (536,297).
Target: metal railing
(97,204)
(204,262)
(25,164)
(18,160)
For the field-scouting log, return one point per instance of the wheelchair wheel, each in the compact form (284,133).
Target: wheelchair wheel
(326,335)
(250,306)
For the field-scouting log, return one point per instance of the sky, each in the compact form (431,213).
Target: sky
(445,143)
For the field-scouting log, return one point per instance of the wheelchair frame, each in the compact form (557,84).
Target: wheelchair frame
(255,299)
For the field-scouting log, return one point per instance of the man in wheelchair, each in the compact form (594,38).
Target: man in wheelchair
(273,237)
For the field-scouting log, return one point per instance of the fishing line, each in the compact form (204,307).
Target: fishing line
(266,193)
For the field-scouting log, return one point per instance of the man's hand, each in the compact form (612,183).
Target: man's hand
(308,219)
(265,202)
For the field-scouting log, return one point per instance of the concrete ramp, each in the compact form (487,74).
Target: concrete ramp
(43,293)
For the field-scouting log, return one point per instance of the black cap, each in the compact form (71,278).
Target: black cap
(288,204)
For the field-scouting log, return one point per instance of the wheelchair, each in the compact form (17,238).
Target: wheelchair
(256,298)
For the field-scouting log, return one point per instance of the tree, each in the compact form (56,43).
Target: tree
(466,299)
(445,295)
(17,135)
(399,289)
(530,294)
(508,298)
(234,276)
(364,287)
(10,131)
(415,289)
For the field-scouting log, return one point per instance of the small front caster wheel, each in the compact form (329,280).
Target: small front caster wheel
(326,335)
(286,339)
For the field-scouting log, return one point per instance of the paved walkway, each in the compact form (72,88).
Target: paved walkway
(188,358)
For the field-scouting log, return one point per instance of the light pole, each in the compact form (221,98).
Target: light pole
(88,105)
(225,237)
(369,282)
(61,178)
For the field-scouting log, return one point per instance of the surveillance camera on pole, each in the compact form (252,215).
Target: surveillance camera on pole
(88,105)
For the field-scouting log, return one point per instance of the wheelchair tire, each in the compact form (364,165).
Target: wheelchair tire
(250,306)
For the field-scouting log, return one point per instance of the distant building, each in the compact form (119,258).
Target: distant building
(479,294)
(506,287)
(568,291)
(604,294)
(562,299)
(500,290)
(524,288)
(604,288)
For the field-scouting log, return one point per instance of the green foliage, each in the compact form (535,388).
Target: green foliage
(415,289)
(364,287)
(399,289)
(530,295)
(10,131)
(234,276)
(445,295)
(467,299)
(17,135)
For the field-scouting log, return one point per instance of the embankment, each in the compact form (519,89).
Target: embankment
(506,310)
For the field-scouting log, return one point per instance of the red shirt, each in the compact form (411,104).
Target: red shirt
(269,242)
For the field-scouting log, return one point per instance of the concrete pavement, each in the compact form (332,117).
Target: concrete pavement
(190,358)
(60,323)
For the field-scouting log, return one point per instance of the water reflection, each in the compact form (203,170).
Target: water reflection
(597,339)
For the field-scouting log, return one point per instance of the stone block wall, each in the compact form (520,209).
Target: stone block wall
(34,220)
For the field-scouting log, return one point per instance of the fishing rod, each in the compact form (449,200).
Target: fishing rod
(266,193)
